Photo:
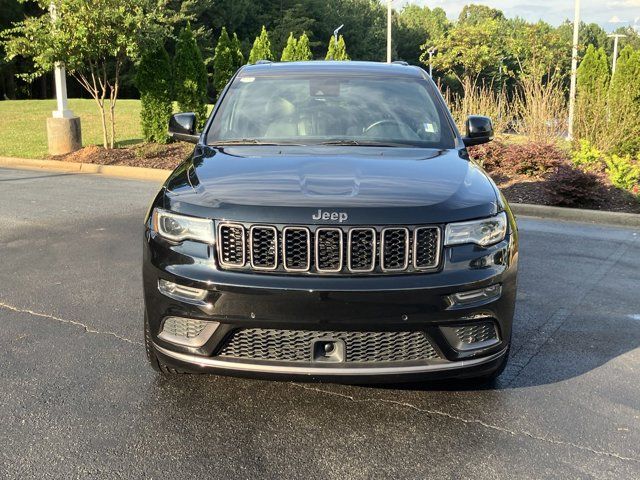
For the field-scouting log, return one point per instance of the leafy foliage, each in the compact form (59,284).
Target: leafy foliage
(227,59)
(530,159)
(419,28)
(337,50)
(154,80)
(623,172)
(591,101)
(587,157)
(571,187)
(289,53)
(261,47)
(623,133)
(303,50)
(190,76)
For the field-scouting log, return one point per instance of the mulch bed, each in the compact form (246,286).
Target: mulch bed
(516,188)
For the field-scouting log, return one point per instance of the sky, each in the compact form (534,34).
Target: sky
(610,14)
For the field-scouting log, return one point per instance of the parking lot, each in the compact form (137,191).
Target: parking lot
(77,398)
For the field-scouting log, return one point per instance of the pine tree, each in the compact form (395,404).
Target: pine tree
(153,79)
(261,48)
(337,50)
(624,104)
(223,62)
(591,101)
(289,53)
(236,52)
(303,51)
(190,76)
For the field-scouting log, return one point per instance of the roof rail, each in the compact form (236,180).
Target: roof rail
(400,62)
(263,62)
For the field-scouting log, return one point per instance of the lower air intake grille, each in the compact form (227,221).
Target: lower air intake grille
(477,333)
(296,345)
(183,327)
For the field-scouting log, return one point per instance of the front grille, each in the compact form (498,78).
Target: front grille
(329,250)
(480,332)
(296,345)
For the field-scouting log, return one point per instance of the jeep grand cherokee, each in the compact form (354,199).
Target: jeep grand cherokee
(330,225)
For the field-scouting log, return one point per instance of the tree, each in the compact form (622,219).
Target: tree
(261,47)
(236,52)
(93,40)
(418,26)
(591,100)
(154,80)
(190,76)
(624,104)
(337,50)
(223,61)
(303,50)
(290,50)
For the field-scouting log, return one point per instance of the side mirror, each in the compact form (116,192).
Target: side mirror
(479,130)
(182,126)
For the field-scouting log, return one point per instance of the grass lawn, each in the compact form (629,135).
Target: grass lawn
(23,128)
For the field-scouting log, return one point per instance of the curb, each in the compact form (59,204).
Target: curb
(576,215)
(120,171)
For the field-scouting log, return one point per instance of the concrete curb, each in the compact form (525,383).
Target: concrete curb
(158,175)
(577,215)
(120,171)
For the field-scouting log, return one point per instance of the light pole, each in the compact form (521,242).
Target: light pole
(615,37)
(63,127)
(389,31)
(431,52)
(335,33)
(574,69)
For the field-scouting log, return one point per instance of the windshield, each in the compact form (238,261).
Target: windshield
(337,109)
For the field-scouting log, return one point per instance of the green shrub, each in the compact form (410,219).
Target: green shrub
(190,76)
(303,51)
(153,79)
(337,49)
(587,157)
(290,50)
(571,187)
(226,60)
(623,172)
(261,49)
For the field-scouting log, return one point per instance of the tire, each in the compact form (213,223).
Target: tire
(155,363)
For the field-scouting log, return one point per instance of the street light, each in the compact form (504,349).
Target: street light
(389,31)
(431,52)
(335,32)
(574,69)
(615,37)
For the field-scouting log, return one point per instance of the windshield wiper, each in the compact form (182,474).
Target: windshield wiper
(251,141)
(362,143)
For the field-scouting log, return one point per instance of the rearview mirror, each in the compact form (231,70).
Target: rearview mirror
(479,130)
(182,126)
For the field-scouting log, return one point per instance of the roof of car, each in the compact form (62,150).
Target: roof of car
(323,67)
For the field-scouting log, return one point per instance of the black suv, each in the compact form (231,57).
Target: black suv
(330,225)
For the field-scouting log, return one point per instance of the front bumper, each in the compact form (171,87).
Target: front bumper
(390,303)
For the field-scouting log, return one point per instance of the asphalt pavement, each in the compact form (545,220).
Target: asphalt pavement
(78,400)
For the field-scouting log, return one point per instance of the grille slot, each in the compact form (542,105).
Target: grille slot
(295,345)
(362,249)
(329,249)
(231,247)
(296,249)
(480,332)
(263,245)
(394,245)
(183,327)
(426,251)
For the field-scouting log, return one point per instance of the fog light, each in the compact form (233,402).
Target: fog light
(482,295)
(189,332)
(193,296)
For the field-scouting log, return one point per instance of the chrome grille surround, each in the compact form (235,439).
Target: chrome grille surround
(329,250)
(232,251)
(271,344)
(263,247)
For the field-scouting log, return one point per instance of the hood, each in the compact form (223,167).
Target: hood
(371,185)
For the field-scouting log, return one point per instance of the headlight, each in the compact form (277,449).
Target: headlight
(482,232)
(179,227)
